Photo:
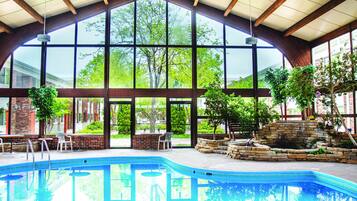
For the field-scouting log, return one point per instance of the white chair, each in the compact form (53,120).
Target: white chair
(62,141)
(165,140)
(2,145)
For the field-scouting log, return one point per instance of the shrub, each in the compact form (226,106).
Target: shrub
(178,119)
(123,119)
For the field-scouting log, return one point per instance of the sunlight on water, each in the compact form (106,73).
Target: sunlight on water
(148,182)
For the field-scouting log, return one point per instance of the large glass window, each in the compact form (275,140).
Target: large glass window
(63,122)
(92,30)
(4,112)
(354,38)
(121,73)
(63,36)
(235,37)
(151,22)
(209,32)
(122,25)
(151,67)
(239,68)
(26,67)
(179,25)
(89,116)
(90,67)
(5,74)
(209,66)
(59,67)
(150,114)
(340,45)
(23,117)
(267,59)
(320,55)
(180,68)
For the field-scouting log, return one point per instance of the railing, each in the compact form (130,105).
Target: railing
(30,146)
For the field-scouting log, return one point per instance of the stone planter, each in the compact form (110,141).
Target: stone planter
(209,146)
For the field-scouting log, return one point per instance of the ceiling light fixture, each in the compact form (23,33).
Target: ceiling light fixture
(251,40)
(44,37)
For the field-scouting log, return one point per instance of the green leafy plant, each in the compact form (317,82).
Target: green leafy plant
(337,77)
(44,100)
(216,105)
(123,119)
(320,151)
(301,86)
(178,119)
(277,80)
(247,111)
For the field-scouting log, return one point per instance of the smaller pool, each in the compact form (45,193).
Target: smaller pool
(159,179)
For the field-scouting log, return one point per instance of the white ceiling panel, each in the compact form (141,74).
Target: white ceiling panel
(285,16)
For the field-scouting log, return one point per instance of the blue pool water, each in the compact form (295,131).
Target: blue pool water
(159,179)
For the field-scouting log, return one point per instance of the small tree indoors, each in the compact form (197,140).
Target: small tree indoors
(337,77)
(277,80)
(44,100)
(301,87)
(216,105)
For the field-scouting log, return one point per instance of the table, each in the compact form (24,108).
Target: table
(11,138)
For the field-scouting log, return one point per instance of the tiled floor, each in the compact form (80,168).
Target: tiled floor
(195,159)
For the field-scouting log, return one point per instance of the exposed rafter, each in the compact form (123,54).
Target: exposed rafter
(70,6)
(313,16)
(5,28)
(268,12)
(106,2)
(230,7)
(29,10)
(195,3)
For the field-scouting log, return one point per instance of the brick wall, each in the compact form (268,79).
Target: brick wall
(145,141)
(85,142)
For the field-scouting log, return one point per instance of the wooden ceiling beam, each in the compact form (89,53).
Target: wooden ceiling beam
(70,6)
(106,2)
(195,3)
(230,7)
(313,16)
(268,12)
(5,28)
(29,10)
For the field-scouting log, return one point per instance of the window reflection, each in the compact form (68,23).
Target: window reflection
(154,181)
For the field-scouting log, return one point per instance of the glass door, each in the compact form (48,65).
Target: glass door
(121,127)
(180,123)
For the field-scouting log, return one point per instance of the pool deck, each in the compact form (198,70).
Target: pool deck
(196,159)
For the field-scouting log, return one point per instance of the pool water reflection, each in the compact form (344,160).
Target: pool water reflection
(148,182)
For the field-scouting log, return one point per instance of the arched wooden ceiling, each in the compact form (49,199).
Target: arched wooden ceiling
(296,50)
(305,19)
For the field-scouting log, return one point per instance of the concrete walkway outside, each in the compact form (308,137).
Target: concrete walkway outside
(196,159)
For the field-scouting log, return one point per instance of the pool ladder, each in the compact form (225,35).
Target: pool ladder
(29,147)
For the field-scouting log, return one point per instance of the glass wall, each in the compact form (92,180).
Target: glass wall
(150,56)
(322,55)
(150,115)
(89,116)
(4,115)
